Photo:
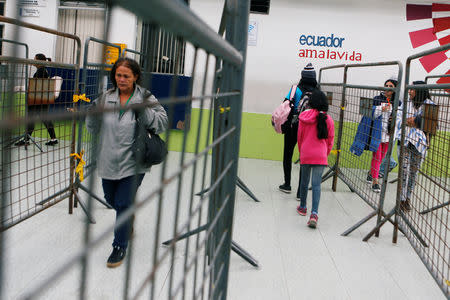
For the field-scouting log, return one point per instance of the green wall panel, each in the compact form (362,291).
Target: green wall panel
(258,138)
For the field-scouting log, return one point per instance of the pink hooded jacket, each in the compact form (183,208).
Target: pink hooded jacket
(312,150)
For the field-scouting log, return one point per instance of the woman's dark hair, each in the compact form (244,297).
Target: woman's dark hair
(394,82)
(308,83)
(130,64)
(41,56)
(421,95)
(319,102)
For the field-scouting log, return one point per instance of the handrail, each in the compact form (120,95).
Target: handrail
(30,61)
(17,43)
(187,25)
(428,52)
(435,76)
(93,39)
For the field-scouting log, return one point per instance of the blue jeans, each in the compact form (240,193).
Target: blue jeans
(392,162)
(316,180)
(120,194)
(411,164)
(392,165)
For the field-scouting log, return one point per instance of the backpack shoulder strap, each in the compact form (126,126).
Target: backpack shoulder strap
(293,91)
(304,99)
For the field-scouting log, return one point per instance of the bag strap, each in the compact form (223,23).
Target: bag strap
(137,114)
(293,91)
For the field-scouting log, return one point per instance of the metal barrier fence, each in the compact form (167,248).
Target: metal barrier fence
(350,105)
(191,193)
(36,175)
(424,174)
(94,81)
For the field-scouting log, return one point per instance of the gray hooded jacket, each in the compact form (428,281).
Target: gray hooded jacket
(115,156)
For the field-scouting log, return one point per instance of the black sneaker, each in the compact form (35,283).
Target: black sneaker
(376,188)
(22,142)
(369,178)
(116,257)
(52,142)
(285,188)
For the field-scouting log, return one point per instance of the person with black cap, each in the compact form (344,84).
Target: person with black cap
(306,86)
(416,141)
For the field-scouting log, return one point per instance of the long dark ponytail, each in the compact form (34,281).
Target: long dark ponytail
(319,102)
(421,95)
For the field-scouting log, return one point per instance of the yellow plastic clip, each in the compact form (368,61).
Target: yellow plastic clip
(342,107)
(447,282)
(81,163)
(82,97)
(335,152)
(224,109)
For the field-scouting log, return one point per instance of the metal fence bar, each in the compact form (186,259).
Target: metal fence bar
(205,267)
(436,76)
(17,43)
(27,119)
(188,25)
(437,238)
(48,30)
(345,114)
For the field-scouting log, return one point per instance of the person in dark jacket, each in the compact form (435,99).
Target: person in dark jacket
(41,72)
(116,164)
(307,84)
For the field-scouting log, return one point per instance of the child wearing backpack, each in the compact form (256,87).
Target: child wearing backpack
(306,85)
(315,140)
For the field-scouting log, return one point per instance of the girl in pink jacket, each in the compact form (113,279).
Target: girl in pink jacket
(315,140)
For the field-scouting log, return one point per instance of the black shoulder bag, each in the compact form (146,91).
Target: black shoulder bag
(148,148)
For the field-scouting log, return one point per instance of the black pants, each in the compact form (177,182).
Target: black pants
(36,110)
(290,140)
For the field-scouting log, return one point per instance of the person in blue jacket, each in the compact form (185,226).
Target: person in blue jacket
(373,133)
(307,84)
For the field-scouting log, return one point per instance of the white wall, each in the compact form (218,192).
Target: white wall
(38,42)
(375,28)
(123,28)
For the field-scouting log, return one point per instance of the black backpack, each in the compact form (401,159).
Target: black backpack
(292,120)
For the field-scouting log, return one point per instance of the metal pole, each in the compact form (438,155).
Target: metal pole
(391,145)
(239,11)
(341,126)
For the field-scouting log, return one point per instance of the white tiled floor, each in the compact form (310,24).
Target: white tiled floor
(296,262)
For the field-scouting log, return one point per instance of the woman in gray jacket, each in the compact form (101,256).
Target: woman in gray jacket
(116,164)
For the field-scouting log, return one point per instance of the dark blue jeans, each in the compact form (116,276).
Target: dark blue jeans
(392,162)
(316,180)
(119,194)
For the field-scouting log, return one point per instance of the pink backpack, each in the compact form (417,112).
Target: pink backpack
(281,113)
